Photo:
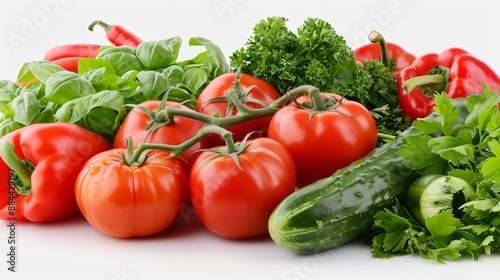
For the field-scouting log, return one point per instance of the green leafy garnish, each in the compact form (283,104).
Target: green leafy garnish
(440,239)
(95,97)
(468,149)
(317,55)
(314,55)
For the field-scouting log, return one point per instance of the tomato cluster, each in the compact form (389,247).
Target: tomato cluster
(230,165)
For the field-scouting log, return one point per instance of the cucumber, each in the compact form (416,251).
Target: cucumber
(433,193)
(341,208)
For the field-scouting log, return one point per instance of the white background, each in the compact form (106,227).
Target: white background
(71,249)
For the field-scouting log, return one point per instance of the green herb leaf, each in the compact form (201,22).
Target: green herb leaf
(195,78)
(123,59)
(154,84)
(213,57)
(455,150)
(76,109)
(442,224)
(449,113)
(315,55)
(41,69)
(8,91)
(468,148)
(418,152)
(173,74)
(9,125)
(86,65)
(491,166)
(159,54)
(64,86)
(25,108)
(98,112)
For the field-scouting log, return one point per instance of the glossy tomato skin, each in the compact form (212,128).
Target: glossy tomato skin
(264,92)
(326,141)
(236,203)
(125,201)
(175,133)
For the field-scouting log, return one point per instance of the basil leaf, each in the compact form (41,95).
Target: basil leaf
(130,75)
(159,54)
(46,116)
(125,87)
(181,95)
(8,91)
(64,86)
(123,59)
(76,109)
(86,65)
(103,121)
(36,87)
(25,73)
(9,125)
(213,58)
(174,74)
(25,108)
(154,84)
(196,78)
(42,70)
(94,76)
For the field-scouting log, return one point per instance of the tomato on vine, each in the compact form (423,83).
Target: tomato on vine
(323,133)
(147,123)
(126,198)
(214,100)
(234,190)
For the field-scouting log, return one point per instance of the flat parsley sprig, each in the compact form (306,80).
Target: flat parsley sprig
(470,151)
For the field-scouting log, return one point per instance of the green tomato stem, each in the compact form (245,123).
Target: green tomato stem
(22,172)
(317,103)
(218,125)
(176,150)
(291,95)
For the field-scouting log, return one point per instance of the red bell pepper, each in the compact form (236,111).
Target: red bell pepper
(393,56)
(455,71)
(39,165)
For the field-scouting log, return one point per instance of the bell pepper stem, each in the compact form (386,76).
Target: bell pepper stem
(436,82)
(376,37)
(15,164)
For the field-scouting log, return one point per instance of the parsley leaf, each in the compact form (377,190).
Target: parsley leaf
(468,149)
(313,55)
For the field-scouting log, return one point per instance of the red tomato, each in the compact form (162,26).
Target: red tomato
(174,133)
(128,201)
(262,91)
(236,203)
(322,142)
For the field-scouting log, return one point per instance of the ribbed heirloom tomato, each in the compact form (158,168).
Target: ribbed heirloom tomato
(321,142)
(234,198)
(123,201)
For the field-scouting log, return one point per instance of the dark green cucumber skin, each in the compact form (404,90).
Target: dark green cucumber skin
(341,208)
